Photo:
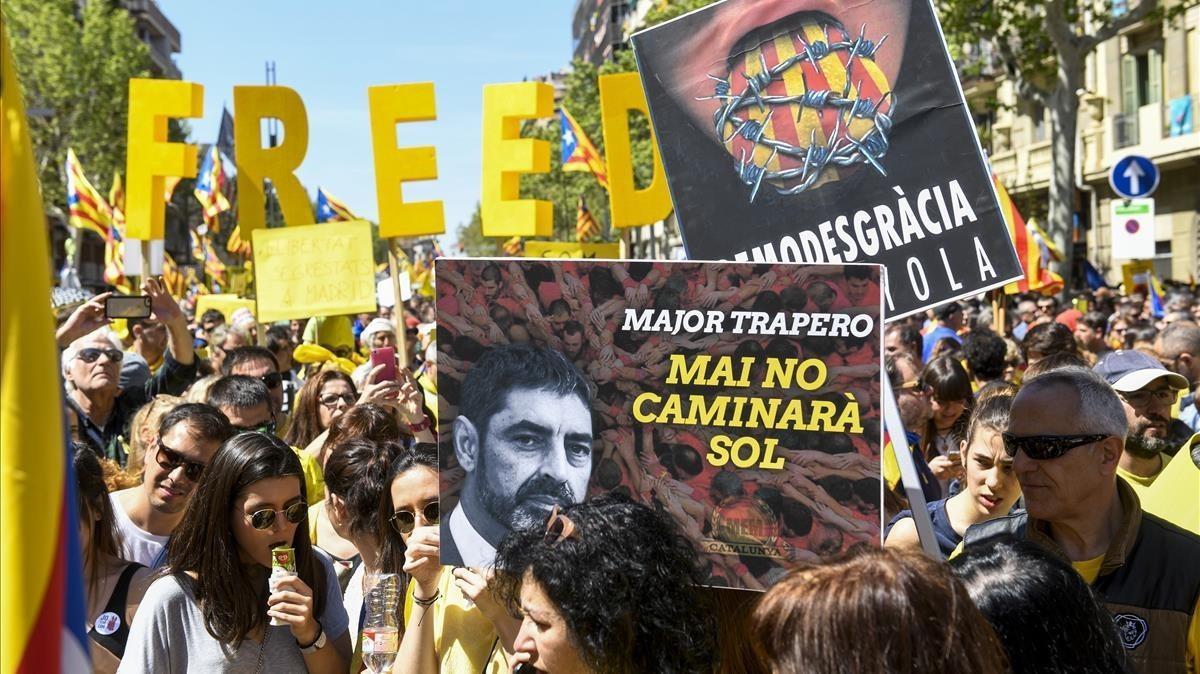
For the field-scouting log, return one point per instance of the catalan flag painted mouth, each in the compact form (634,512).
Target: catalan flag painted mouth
(801,107)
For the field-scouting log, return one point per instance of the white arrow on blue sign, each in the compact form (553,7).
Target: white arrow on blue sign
(1134,176)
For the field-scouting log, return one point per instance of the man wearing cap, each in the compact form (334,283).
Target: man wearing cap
(1147,391)
(1066,435)
(949,321)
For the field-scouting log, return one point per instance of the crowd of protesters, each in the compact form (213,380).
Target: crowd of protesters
(1058,450)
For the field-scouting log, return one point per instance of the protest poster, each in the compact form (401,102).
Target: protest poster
(226,303)
(571,249)
(818,132)
(314,270)
(743,400)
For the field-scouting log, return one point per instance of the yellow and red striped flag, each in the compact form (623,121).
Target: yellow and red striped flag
(86,209)
(586,226)
(204,251)
(172,277)
(42,610)
(210,185)
(513,246)
(114,244)
(236,244)
(1033,246)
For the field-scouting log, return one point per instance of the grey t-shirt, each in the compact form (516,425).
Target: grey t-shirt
(168,635)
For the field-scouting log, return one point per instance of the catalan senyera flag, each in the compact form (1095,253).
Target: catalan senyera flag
(586,226)
(210,186)
(114,244)
(512,247)
(42,605)
(1033,247)
(86,209)
(330,209)
(236,244)
(203,250)
(172,277)
(578,152)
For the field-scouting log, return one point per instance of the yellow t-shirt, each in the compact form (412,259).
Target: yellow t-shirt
(314,476)
(464,639)
(1141,485)
(1089,568)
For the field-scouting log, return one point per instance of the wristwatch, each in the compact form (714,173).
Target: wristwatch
(317,643)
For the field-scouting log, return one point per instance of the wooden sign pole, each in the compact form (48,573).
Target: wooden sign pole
(398,308)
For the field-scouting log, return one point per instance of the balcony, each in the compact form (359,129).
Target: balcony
(1125,130)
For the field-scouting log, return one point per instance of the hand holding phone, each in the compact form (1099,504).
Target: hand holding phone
(386,357)
(127,306)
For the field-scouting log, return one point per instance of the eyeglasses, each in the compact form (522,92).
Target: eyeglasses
(331,399)
(265,519)
(1163,396)
(916,387)
(1044,447)
(559,528)
(170,459)
(267,427)
(92,354)
(272,379)
(404,521)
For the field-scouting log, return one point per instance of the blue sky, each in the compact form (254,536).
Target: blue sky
(330,52)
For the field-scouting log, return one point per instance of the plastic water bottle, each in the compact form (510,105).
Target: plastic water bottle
(381,628)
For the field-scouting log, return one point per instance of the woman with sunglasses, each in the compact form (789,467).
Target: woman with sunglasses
(114,586)
(213,609)
(608,585)
(452,623)
(356,483)
(990,486)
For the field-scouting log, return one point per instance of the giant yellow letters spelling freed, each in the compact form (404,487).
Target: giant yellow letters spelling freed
(150,158)
(629,207)
(391,104)
(506,156)
(251,104)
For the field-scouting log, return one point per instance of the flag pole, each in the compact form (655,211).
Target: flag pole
(145,245)
(398,306)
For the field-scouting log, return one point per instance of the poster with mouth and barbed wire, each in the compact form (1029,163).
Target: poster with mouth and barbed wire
(741,400)
(819,131)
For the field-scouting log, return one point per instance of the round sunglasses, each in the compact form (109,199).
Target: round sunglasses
(404,521)
(265,519)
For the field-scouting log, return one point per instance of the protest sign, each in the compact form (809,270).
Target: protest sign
(568,249)
(744,401)
(1137,276)
(314,270)
(225,303)
(792,134)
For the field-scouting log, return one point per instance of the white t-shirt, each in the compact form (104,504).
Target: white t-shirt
(137,545)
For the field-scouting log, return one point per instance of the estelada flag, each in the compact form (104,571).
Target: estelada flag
(42,610)
(578,152)
(586,226)
(331,209)
(1033,247)
(86,209)
(210,185)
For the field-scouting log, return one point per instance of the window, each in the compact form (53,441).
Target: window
(1141,79)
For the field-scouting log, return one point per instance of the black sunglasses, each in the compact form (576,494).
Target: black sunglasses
(1043,447)
(265,519)
(92,354)
(171,459)
(267,427)
(272,379)
(404,521)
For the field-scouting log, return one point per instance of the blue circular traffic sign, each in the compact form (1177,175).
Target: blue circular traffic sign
(1134,176)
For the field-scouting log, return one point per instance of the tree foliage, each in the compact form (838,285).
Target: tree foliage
(74,64)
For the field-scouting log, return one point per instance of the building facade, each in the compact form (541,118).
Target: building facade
(1142,92)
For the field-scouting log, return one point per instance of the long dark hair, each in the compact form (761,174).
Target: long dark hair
(627,586)
(1047,618)
(92,500)
(391,552)
(358,472)
(232,600)
(948,380)
(306,422)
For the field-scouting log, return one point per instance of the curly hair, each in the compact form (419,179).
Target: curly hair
(626,585)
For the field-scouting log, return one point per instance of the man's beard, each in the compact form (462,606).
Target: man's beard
(1145,447)
(519,511)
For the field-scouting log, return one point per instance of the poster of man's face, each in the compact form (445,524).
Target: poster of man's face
(742,401)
